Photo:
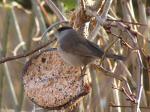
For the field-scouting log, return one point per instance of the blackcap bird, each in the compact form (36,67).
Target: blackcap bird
(77,50)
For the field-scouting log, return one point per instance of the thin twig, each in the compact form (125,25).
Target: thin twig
(83,5)
(106,8)
(124,27)
(127,106)
(43,10)
(123,42)
(38,14)
(127,22)
(101,19)
(53,25)
(55,10)
(33,51)
(140,80)
(108,47)
(16,49)
(9,80)
(108,73)
(129,96)
(3,49)
(17,28)
(5,59)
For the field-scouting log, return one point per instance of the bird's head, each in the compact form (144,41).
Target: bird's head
(62,31)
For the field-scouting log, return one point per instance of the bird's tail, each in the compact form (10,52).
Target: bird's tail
(117,57)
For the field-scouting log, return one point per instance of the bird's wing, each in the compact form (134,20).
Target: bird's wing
(81,46)
(97,51)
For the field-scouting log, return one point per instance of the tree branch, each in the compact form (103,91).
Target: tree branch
(5,59)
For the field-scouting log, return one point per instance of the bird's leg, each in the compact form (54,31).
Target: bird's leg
(83,70)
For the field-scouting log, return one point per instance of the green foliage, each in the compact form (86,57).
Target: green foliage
(69,4)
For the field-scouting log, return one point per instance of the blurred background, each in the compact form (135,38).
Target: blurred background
(22,22)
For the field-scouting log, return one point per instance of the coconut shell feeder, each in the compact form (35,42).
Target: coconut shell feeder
(51,83)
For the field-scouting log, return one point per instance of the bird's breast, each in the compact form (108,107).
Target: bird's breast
(74,60)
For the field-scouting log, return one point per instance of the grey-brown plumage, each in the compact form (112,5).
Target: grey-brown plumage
(78,51)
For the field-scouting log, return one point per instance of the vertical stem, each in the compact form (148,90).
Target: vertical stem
(17,28)
(1,84)
(143,19)
(30,31)
(126,15)
(116,92)
(55,10)
(3,48)
(7,72)
(28,45)
(38,14)
(95,91)
(20,38)
(106,8)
